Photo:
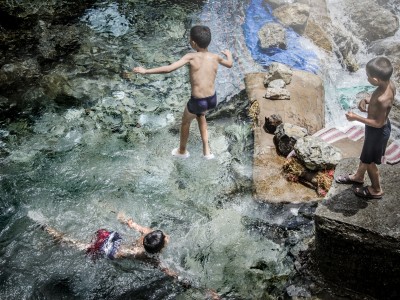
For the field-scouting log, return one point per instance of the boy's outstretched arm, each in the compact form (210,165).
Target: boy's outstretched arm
(228,62)
(164,69)
(144,230)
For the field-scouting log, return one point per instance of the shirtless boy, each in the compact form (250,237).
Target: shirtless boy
(203,70)
(377,128)
(108,244)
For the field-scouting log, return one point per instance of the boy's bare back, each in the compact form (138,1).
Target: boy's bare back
(203,70)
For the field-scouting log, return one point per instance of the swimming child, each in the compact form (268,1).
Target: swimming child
(108,244)
(203,70)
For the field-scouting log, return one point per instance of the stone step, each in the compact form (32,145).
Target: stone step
(358,241)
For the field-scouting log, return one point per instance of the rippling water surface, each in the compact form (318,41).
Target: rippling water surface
(74,168)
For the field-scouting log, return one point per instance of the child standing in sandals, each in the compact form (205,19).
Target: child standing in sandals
(377,128)
(203,71)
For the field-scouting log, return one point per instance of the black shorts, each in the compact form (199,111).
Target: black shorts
(375,143)
(199,106)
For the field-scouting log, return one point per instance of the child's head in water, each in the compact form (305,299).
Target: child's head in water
(154,241)
(201,35)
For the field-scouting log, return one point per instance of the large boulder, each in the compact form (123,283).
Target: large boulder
(369,20)
(293,15)
(272,35)
(278,71)
(317,154)
(286,136)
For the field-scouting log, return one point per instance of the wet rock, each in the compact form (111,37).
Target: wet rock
(26,69)
(277,94)
(316,154)
(293,15)
(277,83)
(318,34)
(346,48)
(236,106)
(385,47)
(286,136)
(370,21)
(272,35)
(59,40)
(278,71)
(271,123)
(391,49)
(20,14)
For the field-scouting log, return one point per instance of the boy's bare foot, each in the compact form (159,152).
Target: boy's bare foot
(176,153)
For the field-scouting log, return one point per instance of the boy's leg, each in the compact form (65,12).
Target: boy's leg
(373,173)
(187,119)
(360,173)
(204,134)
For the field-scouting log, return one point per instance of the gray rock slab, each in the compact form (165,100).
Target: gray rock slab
(358,240)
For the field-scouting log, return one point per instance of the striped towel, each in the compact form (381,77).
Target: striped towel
(332,134)
(392,154)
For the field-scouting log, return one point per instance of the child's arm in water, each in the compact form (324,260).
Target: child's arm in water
(143,230)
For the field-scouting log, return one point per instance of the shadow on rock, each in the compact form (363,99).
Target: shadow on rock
(345,203)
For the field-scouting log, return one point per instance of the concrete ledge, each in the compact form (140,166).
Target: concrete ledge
(357,240)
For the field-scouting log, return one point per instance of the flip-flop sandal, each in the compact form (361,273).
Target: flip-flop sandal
(345,179)
(365,193)
(176,153)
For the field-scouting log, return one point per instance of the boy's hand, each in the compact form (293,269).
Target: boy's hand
(121,217)
(139,70)
(130,223)
(362,105)
(350,116)
(227,52)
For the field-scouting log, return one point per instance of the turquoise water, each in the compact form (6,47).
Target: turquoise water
(75,168)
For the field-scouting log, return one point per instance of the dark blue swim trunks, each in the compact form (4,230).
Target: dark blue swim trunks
(375,143)
(199,106)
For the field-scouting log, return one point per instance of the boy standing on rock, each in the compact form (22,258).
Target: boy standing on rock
(377,128)
(203,71)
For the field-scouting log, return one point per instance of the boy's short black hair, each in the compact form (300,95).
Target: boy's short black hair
(201,35)
(154,241)
(380,67)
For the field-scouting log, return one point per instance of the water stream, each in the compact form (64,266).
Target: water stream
(75,168)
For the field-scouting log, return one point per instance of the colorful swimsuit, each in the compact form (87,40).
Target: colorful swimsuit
(199,106)
(106,244)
